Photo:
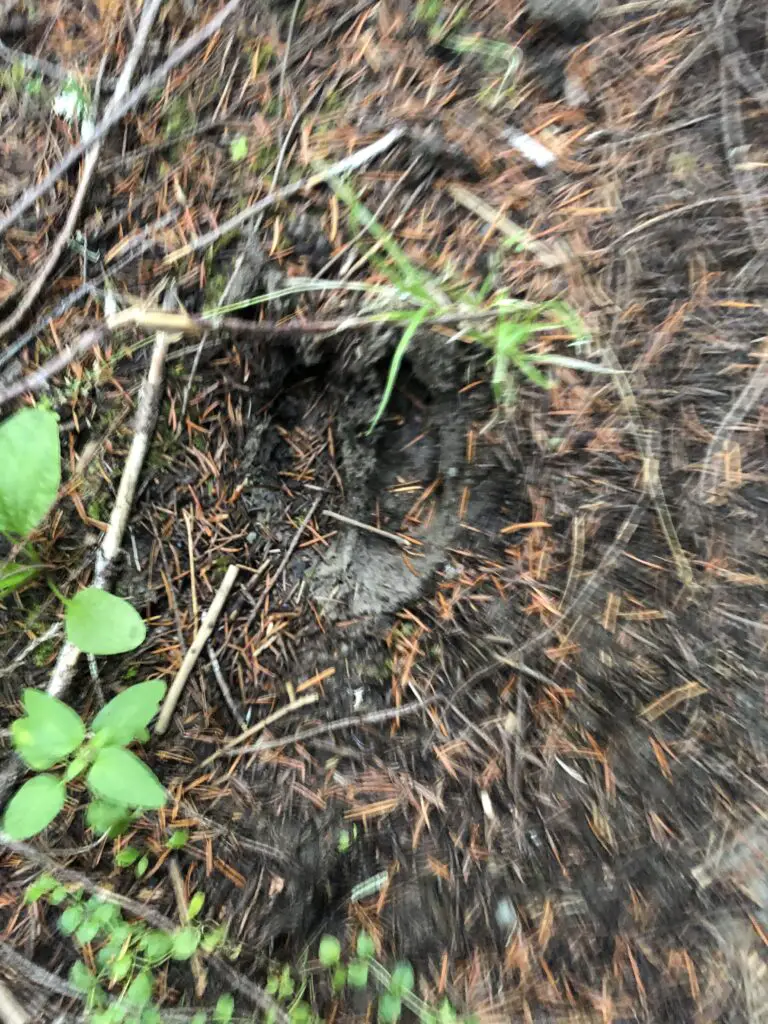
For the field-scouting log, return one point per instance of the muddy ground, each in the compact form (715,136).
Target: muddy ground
(541,697)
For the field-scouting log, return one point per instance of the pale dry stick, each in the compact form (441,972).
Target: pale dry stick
(227,749)
(196,964)
(156,78)
(10,1008)
(348,163)
(744,404)
(403,542)
(144,426)
(190,658)
(148,15)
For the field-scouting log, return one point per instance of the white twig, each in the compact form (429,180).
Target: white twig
(349,163)
(10,1010)
(144,425)
(190,658)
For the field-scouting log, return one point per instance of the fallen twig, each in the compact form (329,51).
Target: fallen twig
(148,14)
(10,1009)
(348,163)
(227,748)
(190,659)
(144,425)
(158,77)
(403,542)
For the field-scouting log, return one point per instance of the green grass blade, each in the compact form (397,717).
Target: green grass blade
(397,359)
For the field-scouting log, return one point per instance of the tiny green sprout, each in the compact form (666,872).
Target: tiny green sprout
(224,1009)
(329,952)
(344,841)
(357,974)
(178,839)
(238,149)
(390,1008)
(365,947)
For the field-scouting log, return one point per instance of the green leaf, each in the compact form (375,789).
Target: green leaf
(224,1009)
(122,967)
(402,979)
(156,945)
(76,767)
(13,575)
(185,943)
(390,1008)
(357,974)
(286,986)
(70,919)
(178,839)
(82,979)
(446,1013)
(31,475)
(103,913)
(329,952)
(34,806)
(139,992)
(365,946)
(40,887)
(141,867)
(87,931)
(127,856)
(301,1013)
(152,1016)
(199,1018)
(120,777)
(339,979)
(403,345)
(195,905)
(238,149)
(344,841)
(104,816)
(49,732)
(214,938)
(59,894)
(130,712)
(101,623)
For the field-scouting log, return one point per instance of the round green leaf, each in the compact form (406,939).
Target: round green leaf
(365,946)
(301,1013)
(130,712)
(87,931)
(185,943)
(339,979)
(71,918)
(152,1016)
(329,952)
(81,977)
(40,887)
(34,807)
(120,777)
(139,992)
(402,979)
(122,967)
(31,461)
(224,1009)
(49,732)
(390,1008)
(101,623)
(214,938)
(357,974)
(127,856)
(156,946)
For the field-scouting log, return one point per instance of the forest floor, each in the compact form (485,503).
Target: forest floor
(522,729)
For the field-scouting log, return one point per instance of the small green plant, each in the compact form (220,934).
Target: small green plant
(30,476)
(238,149)
(74,105)
(118,977)
(504,326)
(138,860)
(120,785)
(282,988)
(395,988)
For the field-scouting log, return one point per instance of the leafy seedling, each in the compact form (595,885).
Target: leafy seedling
(51,733)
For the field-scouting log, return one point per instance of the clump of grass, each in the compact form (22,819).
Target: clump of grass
(507,327)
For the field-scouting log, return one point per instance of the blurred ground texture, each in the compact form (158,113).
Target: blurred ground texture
(571,807)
